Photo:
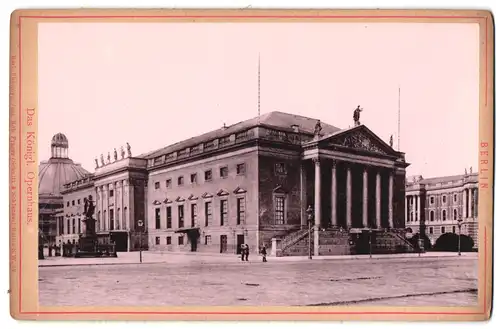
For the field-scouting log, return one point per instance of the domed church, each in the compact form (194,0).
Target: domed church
(52,175)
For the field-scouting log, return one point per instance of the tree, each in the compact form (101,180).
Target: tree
(414,241)
(449,242)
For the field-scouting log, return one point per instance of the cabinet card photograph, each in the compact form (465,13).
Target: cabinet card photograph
(251,164)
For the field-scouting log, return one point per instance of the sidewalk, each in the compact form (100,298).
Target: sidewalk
(150,257)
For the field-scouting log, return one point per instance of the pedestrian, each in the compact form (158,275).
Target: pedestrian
(264,254)
(243,252)
(247,252)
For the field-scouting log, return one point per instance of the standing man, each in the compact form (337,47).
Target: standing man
(243,252)
(264,253)
(247,252)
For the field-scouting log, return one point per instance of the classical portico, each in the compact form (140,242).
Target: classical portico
(358,182)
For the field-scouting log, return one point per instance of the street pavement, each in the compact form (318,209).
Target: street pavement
(183,280)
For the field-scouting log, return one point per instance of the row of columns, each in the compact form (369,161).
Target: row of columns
(119,209)
(412,207)
(469,208)
(378,196)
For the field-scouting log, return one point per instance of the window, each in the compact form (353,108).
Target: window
(180,180)
(442,230)
(78,201)
(67,204)
(99,219)
(208,175)
(157,240)
(431,230)
(180,209)
(157,218)
(444,198)
(280,168)
(224,140)
(169,217)
(168,183)
(455,197)
(223,212)
(111,219)
(194,214)
(79,225)
(157,185)
(118,219)
(194,178)
(180,240)
(432,216)
(454,229)
(169,240)
(104,219)
(455,214)
(73,202)
(411,217)
(224,171)
(73,226)
(240,169)
(125,214)
(67,227)
(208,213)
(111,192)
(240,208)
(432,200)
(279,209)
(208,239)
(444,215)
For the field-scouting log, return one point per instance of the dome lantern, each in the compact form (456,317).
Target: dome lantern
(59,146)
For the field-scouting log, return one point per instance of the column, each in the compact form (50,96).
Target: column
(317,204)
(470,203)
(334,194)
(406,209)
(365,197)
(115,205)
(413,207)
(378,204)
(464,205)
(122,224)
(391,201)
(418,209)
(101,199)
(106,206)
(303,195)
(348,198)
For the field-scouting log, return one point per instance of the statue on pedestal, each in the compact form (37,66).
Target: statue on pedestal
(129,150)
(109,158)
(88,211)
(96,163)
(356,115)
(122,151)
(471,170)
(115,154)
(391,141)
(317,129)
(102,159)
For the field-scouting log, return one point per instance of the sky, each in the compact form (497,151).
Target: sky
(154,84)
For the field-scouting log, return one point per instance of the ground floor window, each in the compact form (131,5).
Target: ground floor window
(279,209)
(431,230)
(208,239)
(157,240)
(442,230)
(169,240)
(181,240)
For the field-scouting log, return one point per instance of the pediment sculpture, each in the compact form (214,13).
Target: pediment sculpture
(358,140)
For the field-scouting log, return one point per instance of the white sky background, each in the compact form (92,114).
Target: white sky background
(153,84)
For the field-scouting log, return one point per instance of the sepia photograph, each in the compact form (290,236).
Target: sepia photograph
(248,163)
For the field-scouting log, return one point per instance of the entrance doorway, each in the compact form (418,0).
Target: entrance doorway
(223,243)
(240,239)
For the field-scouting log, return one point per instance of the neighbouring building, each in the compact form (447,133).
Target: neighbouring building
(52,175)
(437,205)
(251,183)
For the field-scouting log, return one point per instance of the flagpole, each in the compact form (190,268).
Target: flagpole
(399,117)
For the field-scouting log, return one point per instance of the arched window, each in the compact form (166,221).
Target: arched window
(444,215)
(411,217)
(432,216)
(444,198)
(454,214)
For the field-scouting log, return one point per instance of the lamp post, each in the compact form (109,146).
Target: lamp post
(370,241)
(140,223)
(310,217)
(459,221)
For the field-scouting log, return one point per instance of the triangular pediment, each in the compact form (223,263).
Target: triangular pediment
(240,190)
(222,192)
(192,197)
(180,199)
(167,200)
(360,138)
(156,202)
(206,195)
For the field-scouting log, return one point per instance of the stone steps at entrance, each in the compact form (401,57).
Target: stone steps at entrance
(340,242)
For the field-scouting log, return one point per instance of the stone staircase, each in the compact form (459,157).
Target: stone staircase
(391,242)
